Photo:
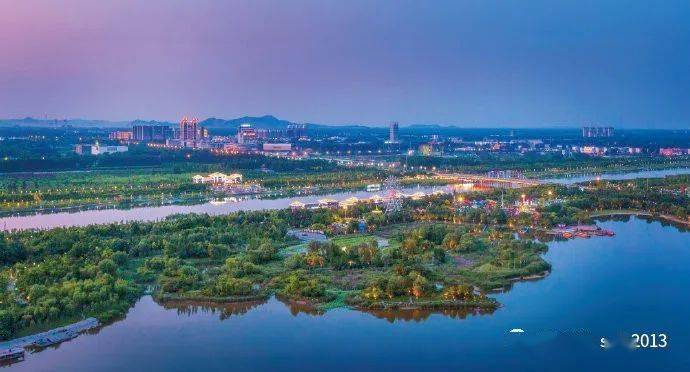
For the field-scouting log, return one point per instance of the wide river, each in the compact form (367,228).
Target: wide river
(100,216)
(87,217)
(635,282)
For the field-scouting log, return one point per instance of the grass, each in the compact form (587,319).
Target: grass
(294,249)
(353,240)
(338,301)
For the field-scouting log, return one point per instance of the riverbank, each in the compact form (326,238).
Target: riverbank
(623,212)
(611,169)
(56,333)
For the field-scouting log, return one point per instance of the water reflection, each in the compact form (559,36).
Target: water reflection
(598,288)
(224,310)
(227,310)
(301,307)
(419,315)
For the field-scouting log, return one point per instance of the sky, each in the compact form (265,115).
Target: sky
(510,63)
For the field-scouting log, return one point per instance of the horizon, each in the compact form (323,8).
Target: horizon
(461,64)
(366,125)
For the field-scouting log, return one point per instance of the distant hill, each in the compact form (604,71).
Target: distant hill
(86,123)
(263,122)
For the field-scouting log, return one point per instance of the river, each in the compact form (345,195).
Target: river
(102,216)
(618,176)
(601,287)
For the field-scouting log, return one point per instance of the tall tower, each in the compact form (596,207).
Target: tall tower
(393,132)
(189,131)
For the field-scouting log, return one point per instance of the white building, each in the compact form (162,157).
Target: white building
(101,149)
(97,149)
(218,178)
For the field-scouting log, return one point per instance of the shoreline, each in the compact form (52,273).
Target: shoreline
(664,217)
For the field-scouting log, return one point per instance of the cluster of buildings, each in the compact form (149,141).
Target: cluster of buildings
(218,178)
(593,132)
(606,150)
(191,134)
(292,141)
(674,151)
(229,184)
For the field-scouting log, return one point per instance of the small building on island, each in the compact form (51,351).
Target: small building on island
(218,179)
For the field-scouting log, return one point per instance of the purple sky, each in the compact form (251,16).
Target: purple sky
(470,63)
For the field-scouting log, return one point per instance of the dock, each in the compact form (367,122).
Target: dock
(57,334)
(580,231)
(11,355)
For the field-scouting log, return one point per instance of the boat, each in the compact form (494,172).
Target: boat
(11,354)
(55,338)
(374,187)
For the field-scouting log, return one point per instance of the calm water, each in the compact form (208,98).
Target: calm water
(619,176)
(88,217)
(601,287)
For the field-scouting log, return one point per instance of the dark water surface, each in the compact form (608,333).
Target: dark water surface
(634,282)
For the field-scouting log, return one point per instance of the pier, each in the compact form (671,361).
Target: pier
(58,334)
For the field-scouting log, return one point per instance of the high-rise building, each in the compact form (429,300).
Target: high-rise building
(148,132)
(189,131)
(393,132)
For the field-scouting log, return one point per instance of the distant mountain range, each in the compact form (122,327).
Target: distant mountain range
(263,122)
(266,122)
(33,122)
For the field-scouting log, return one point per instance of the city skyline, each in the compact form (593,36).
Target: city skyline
(469,64)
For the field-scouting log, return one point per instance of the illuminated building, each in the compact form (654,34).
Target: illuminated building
(393,129)
(120,135)
(218,178)
(192,135)
(277,147)
(246,134)
(189,132)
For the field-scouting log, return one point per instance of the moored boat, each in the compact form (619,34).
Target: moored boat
(55,338)
(11,354)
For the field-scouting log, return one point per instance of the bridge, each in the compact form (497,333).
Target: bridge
(487,181)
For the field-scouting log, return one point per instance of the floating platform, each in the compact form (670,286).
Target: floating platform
(51,337)
(12,354)
(580,231)
(55,338)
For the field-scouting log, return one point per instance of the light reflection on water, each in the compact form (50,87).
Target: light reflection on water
(101,216)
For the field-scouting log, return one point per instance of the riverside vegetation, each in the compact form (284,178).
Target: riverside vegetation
(439,255)
(100,270)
